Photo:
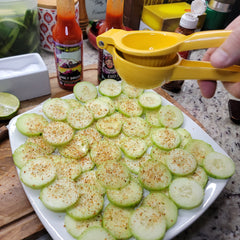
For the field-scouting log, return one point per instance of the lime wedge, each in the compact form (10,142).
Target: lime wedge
(9,105)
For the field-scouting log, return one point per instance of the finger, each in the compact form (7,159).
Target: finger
(229,52)
(208,53)
(233,88)
(207,88)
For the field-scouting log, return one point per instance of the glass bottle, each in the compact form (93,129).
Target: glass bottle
(114,19)
(187,26)
(68,43)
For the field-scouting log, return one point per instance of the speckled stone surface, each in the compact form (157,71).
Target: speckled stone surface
(222,220)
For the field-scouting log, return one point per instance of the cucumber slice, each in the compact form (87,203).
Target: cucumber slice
(89,205)
(118,115)
(133,147)
(58,133)
(170,116)
(199,149)
(147,224)
(165,206)
(109,126)
(88,182)
(73,102)
(91,134)
(77,227)
(77,148)
(79,118)
(128,196)
(105,151)
(116,140)
(54,196)
(116,221)
(148,140)
(166,138)
(150,100)
(185,136)
(118,100)
(186,193)
(31,124)
(110,103)
(85,91)
(131,91)
(158,154)
(113,175)
(110,88)
(26,152)
(98,233)
(134,165)
(41,143)
(136,127)
(154,175)
(218,165)
(86,163)
(38,173)
(130,107)
(66,167)
(152,118)
(98,107)
(56,109)
(180,162)
(200,176)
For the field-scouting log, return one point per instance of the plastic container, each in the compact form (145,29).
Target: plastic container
(19,27)
(25,76)
(47,12)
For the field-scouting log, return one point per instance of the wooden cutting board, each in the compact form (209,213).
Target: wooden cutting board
(17,218)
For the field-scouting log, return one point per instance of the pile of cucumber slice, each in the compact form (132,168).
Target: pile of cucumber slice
(116,161)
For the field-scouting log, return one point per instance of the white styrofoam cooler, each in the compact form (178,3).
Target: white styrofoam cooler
(25,76)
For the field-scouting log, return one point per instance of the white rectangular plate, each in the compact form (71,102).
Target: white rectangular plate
(54,222)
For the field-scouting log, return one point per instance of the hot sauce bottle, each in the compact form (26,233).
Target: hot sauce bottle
(114,19)
(68,43)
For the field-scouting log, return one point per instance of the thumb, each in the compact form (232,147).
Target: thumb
(229,52)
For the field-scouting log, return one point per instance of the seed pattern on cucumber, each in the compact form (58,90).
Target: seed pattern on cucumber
(129,147)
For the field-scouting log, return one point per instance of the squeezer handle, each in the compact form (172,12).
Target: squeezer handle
(204,39)
(205,71)
(108,38)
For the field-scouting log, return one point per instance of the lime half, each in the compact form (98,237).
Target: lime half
(9,105)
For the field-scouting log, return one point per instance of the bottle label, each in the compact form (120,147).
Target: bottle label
(184,54)
(106,66)
(68,63)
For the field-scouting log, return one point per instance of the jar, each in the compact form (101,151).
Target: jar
(19,27)
(47,12)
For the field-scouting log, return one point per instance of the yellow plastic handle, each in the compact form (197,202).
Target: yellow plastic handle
(187,69)
(204,39)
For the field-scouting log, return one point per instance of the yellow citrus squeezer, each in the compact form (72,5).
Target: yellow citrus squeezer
(148,59)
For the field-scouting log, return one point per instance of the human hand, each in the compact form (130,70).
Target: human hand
(224,56)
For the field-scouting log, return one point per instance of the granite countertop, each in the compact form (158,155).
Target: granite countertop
(222,220)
